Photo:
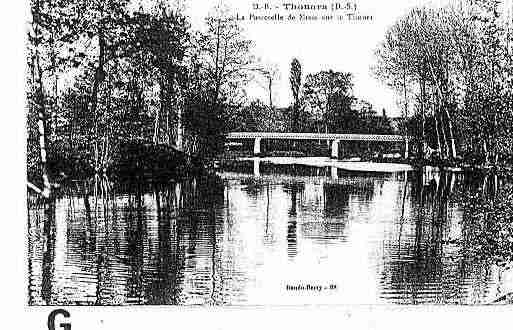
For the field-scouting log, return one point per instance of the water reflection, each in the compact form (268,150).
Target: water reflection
(242,238)
(428,263)
(292,189)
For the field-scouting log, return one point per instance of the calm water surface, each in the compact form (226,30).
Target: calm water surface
(275,235)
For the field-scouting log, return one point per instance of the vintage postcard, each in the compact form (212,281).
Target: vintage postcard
(268,154)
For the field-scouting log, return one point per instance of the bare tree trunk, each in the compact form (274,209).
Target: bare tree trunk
(169,105)
(168,128)
(270,92)
(440,98)
(179,125)
(55,88)
(437,124)
(494,151)
(98,78)
(423,112)
(156,125)
(485,149)
(444,147)
(451,133)
(106,134)
(217,64)
(444,137)
(444,104)
(41,124)
(405,113)
(40,103)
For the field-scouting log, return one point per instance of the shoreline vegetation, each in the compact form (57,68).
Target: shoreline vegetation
(109,77)
(115,90)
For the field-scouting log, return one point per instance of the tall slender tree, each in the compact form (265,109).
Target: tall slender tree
(38,92)
(295,87)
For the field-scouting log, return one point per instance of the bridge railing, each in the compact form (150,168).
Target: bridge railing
(318,136)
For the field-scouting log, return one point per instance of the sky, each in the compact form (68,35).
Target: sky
(340,46)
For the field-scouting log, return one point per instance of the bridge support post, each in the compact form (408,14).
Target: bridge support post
(334,172)
(256,167)
(406,148)
(256,147)
(334,149)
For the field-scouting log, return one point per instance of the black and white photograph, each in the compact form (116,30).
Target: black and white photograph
(268,153)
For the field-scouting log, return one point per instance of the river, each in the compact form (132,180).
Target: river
(282,234)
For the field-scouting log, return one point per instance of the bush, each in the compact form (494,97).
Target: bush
(490,224)
(137,159)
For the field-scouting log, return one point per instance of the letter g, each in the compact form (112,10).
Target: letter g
(51,319)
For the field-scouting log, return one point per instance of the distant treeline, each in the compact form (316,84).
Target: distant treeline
(106,74)
(323,102)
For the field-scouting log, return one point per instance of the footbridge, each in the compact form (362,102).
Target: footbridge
(335,139)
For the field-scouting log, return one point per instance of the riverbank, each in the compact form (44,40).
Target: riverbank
(400,163)
(131,161)
(461,166)
(354,166)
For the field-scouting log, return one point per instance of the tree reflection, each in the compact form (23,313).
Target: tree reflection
(292,189)
(48,266)
(164,288)
(111,243)
(337,196)
(136,233)
(431,264)
(132,256)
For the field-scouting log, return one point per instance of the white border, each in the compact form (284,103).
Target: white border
(16,314)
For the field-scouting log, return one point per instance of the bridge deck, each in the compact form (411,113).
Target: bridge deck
(283,178)
(317,136)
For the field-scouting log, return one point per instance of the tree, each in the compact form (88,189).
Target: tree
(269,72)
(328,95)
(164,37)
(416,50)
(224,54)
(38,93)
(295,87)
(456,60)
(219,65)
(257,117)
(133,75)
(103,22)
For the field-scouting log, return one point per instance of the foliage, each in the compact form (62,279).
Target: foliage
(329,98)
(489,224)
(224,54)
(113,73)
(295,87)
(258,117)
(149,160)
(331,106)
(453,64)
